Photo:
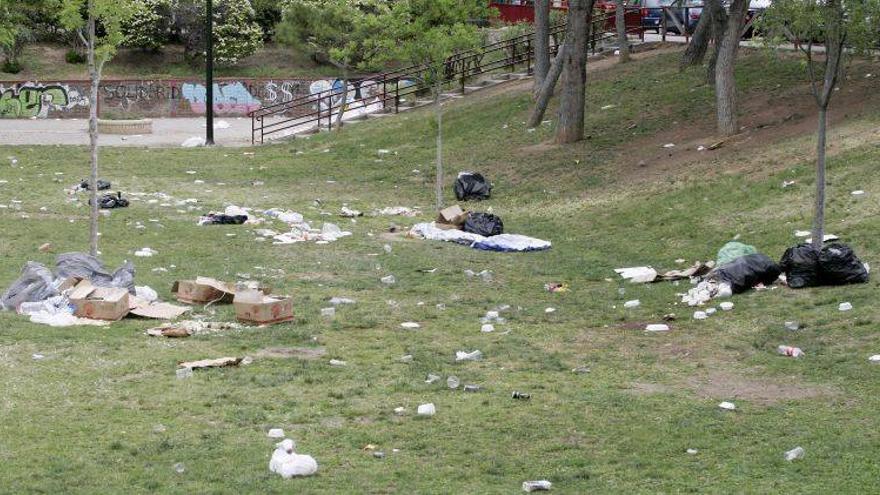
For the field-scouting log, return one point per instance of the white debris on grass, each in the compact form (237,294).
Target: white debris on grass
(288,463)
(145,252)
(487,328)
(337,362)
(534,486)
(336,301)
(468,356)
(637,274)
(657,327)
(426,409)
(392,211)
(410,325)
(845,306)
(635,303)
(794,454)
(705,291)
(858,192)
(549,310)
(727,406)
(669,145)
(193,142)
(875,358)
(700,315)
(328,312)
(726,306)
(388,280)
(431,378)
(275,433)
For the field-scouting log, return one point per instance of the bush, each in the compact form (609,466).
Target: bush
(149,25)
(268,15)
(11,67)
(74,57)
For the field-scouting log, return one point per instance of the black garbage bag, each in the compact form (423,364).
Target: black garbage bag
(84,266)
(103,185)
(110,201)
(747,271)
(839,265)
(471,185)
(801,266)
(221,219)
(484,224)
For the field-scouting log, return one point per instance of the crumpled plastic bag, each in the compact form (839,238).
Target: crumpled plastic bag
(745,272)
(839,265)
(733,250)
(82,265)
(484,224)
(35,284)
(471,185)
(801,266)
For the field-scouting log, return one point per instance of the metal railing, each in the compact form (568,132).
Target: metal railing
(386,92)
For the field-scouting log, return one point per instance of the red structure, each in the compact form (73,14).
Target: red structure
(522,10)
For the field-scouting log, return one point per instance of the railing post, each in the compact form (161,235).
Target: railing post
(663,25)
(397,95)
(528,56)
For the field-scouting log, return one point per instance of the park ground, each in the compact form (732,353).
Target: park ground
(103,411)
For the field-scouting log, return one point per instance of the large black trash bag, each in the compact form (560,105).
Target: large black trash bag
(35,284)
(471,185)
(839,265)
(110,201)
(84,266)
(103,185)
(801,266)
(748,271)
(484,224)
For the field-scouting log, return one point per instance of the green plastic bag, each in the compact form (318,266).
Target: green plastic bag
(733,250)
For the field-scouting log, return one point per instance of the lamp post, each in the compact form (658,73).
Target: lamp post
(209,72)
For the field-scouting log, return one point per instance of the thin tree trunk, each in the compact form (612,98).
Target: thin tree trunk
(717,22)
(546,92)
(695,53)
(438,110)
(542,43)
(95,77)
(819,213)
(570,125)
(620,23)
(725,83)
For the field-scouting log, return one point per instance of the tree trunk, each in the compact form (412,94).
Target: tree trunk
(542,43)
(717,22)
(570,125)
(543,98)
(695,53)
(725,83)
(95,77)
(819,213)
(438,110)
(620,23)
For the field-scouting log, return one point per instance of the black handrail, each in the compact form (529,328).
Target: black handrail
(459,67)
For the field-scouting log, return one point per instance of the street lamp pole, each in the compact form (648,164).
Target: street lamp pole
(209,72)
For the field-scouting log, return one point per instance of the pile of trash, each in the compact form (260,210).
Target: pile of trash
(82,292)
(472,186)
(483,231)
(300,230)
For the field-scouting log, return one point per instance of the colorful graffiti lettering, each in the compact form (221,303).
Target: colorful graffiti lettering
(232,98)
(35,100)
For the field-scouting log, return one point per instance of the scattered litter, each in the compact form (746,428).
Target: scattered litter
(337,362)
(253,306)
(792,326)
(549,310)
(794,454)
(858,193)
(406,359)
(453,382)
(635,303)
(487,328)
(400,411)
(787,350)
(845,306)
(727,406)
(556,287)
(692,451)
(534,486)
(349,213)
(669,145)
(733,250)
(410,325)
(835,264)
(468,356)
(288,464)
(328,312)
(607,107)
(431,379)
(711,311)
(520,395)
(426,409)
(388,280)
(211,363)
(222,219)
(787,183)
(472,388)
(825,238)
(184,373)
(638,274)
(875,358)
(336,301)
(401,211)
(726,306)
(657,327)
(501,243)
(145,252)
(37,357)
(275,433)
(580,370)
(700,315)
(179,468)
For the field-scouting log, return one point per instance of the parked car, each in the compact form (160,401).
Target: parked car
(653,12)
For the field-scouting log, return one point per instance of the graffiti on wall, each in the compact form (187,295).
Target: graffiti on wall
(230,98)
(31,100)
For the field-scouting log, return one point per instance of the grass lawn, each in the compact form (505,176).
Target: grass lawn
(104,413)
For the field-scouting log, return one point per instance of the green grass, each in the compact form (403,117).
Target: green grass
(84,419)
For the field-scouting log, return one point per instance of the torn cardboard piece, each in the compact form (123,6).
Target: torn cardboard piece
(185,328)
(452,217)
(99,303)
(253,306)
(159,310)
(697,270)
(211,363)
(203,290)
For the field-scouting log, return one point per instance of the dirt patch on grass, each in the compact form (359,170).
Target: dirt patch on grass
(727,385)
(642,388)
(304,353)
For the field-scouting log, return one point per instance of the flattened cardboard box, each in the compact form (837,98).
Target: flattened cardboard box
(99,303)
(203,290)
(451,218)
(252,306)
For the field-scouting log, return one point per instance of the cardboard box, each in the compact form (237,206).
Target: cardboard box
(203,290)
(450,218)
(253,306)
(99,303)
